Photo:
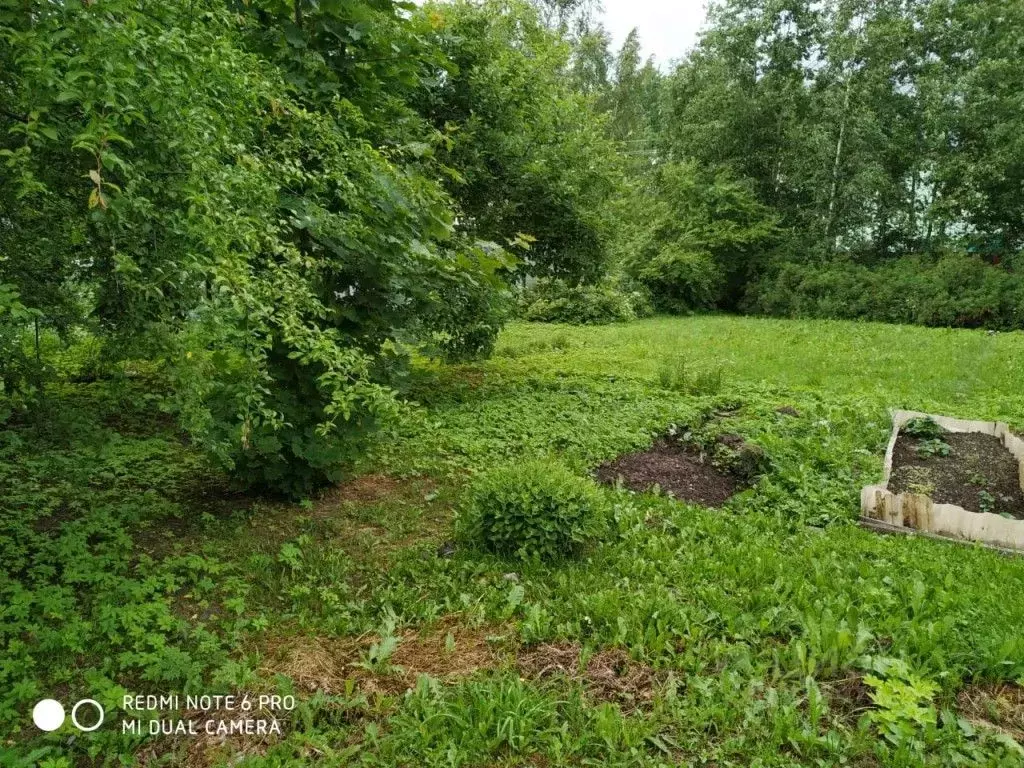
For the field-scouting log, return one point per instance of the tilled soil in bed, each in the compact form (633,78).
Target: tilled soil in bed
(681,471)
(979,474)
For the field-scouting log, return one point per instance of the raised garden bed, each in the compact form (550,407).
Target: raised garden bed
(950,477)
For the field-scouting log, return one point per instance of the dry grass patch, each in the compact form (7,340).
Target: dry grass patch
(204,750)
(848,698)
(313,663)
(446,651)
(997,706)
(450,651)
(373,489)
(608,675)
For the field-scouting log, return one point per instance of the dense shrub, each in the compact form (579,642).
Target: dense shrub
(554,301)
(218,190)
(682,280)
(534,509)
(954,290)
(463,323)
(640,300)
(701,239)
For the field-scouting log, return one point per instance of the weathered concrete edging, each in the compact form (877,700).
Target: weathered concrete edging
(919,512)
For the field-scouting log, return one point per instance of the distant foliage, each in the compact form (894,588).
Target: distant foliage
(703,236)
(954,290)
(867,132)
(554,301)
(18,368)
(848,154)
(534,509)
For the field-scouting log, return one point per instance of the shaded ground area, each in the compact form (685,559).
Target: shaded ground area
(679,470)
(973,471)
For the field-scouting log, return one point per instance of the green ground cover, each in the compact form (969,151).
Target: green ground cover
(773,632)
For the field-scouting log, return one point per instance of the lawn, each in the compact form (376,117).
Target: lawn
(771,632)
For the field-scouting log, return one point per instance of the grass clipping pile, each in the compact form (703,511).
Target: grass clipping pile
(950,477)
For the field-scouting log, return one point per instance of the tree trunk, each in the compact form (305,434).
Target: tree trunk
(834,189)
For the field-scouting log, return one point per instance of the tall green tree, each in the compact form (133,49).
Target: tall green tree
(526,153)
(239,195)
(635,101)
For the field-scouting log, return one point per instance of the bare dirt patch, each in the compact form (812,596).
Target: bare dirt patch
(997,706)
(979,474)
(608,675)
(681,470)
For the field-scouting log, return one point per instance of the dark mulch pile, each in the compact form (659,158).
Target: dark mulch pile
(979,474)
(676,469)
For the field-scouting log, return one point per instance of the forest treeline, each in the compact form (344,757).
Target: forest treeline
(276,203)
(841,159)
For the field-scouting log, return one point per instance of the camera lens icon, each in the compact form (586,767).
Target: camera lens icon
(48,715)
(99,719)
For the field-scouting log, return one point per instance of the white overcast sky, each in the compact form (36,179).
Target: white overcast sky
(668,28)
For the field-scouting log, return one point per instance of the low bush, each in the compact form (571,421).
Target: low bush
(537,509)
(923,428)
(953,290)
(554,301)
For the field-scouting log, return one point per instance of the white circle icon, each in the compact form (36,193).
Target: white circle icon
(48,715)
(74,715)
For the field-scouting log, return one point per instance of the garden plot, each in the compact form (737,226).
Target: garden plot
(688,472)
(963,479)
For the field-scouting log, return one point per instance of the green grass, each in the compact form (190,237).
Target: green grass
(766,624)
(904,364)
